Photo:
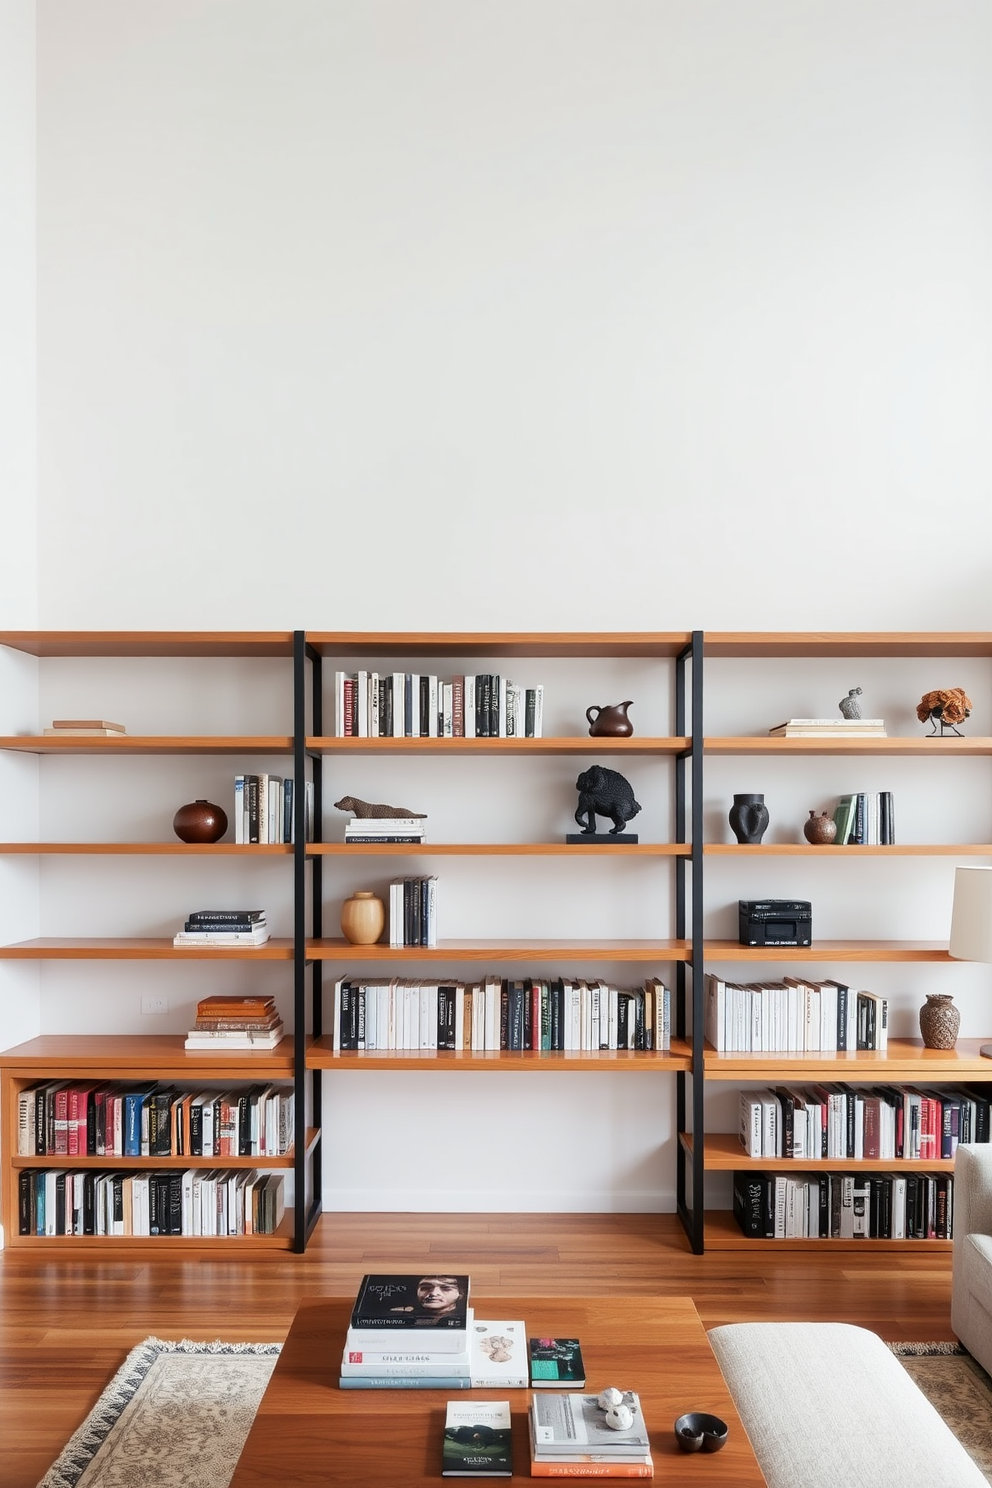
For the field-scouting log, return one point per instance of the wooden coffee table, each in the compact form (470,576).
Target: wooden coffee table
(308,1431)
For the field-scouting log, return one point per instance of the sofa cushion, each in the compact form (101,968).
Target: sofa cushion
(977,1258)
(826,1405)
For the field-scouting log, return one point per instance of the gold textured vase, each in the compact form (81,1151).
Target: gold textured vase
(363,918)
(939,1021)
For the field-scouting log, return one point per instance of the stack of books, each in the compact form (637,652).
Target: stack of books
(845,1206)
(413,912)
(95,727)
(827,728)
(223,927)
(386,829)
(569,1437)
(865,819)
(409,1332)
(397,705)
(792,1016)
(235,1023)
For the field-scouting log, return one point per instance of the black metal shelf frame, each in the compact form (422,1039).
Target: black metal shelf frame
(307,914)
(690,1171)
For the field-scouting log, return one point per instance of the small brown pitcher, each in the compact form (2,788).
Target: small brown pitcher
(611,722)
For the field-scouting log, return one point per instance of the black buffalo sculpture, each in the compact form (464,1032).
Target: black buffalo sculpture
(605,793)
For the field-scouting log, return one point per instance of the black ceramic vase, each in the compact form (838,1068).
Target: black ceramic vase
(749,818)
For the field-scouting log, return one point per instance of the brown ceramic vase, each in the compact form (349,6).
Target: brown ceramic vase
(200,821)
(939,1021)
(819,828)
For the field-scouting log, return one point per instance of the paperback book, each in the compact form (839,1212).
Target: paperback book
(555,1362)
(498,1353)
(477,1441)
(569,1425)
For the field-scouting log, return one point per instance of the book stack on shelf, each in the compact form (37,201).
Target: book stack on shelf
(830,728)
(885,1122)
(397,705)
(866,819)
(223,927)
(558,1013)
(198,1202)
(263,809)
(793,1016)
(569,1437)
(409,1332)
(226,1023)
(413,911)
(386,829)
(94,728)
(845,1206)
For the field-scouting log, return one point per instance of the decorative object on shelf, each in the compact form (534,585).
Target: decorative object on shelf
(971,921)
(100,727)
(363,918)
(849,706)
(200,821)
(947,706)
(819,828)
(767,922)
(749,818)
(939,1021)
(604,792)
(611,722)
(697,1430)
(366,810)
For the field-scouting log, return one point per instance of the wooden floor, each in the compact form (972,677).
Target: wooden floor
(67,1323)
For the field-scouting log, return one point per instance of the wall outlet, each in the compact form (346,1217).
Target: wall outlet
(154,1007)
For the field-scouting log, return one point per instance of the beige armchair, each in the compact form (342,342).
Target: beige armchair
(971,1292)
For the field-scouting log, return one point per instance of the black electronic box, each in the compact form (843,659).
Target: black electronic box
(774,922)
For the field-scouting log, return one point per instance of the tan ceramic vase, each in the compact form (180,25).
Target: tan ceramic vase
(819,828)
(939,1021)
(363,918)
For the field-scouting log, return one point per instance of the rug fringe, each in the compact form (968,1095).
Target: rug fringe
(925,1350)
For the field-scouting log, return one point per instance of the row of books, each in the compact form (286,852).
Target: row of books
(889,1123)
(413,911)
(226,1023)
(223,927)
(197,1202)
(541,1014)
(85,1119)
(397,705)
(792,1016)
(264,809)
(845,1206)
(866,819)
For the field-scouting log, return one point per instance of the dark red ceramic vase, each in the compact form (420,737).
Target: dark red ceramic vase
(200,821)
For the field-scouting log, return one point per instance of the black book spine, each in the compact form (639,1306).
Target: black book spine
(251,790)
(244,1123)
(504,1013)
(25,1201)
(425,928)
(494,718)
(425,705)
(196,1130)
(482,691)
(174,1184)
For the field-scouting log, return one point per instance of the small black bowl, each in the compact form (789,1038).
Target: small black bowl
(697,1430)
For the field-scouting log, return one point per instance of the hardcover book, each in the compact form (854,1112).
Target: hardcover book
(437,1300)
(498,1352)
(555,1362)
(566,1425)
(477,1440)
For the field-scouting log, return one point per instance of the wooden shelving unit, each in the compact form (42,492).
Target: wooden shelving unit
(322,1055)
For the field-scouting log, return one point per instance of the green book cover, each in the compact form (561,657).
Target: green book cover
(477,1440)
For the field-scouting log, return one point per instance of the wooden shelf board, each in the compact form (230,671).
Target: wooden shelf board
(138,948)
(722,1232)
(143,1246)
(831,950)
(723,1153)
(667,745)
(322,1056)
(151,744)
(499,643)
(140,1055)
(151,849)
(149,1164)
(947,747)
(905,1059)
(831,850)
(847,643)
(498,849)
(326,949)
(191,643)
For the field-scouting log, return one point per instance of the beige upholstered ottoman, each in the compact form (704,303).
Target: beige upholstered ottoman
(827,1405)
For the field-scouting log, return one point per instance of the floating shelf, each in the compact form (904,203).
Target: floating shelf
(322,1056)
(504,950)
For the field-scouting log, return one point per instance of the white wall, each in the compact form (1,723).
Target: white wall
(603,314)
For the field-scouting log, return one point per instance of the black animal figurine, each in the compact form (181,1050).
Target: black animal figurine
(606,793)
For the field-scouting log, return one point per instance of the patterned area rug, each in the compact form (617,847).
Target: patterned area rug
(959,1389)
(175,1415)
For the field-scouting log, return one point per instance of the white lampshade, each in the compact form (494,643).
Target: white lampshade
(971,915)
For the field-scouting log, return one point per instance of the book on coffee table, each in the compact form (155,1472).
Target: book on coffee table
(555,1362)
(477,1440)
(569,1425)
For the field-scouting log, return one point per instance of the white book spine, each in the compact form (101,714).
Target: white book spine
(470,705)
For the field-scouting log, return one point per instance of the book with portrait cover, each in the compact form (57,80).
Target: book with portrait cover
(477,1440)
(428,1300)
(556,1362)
